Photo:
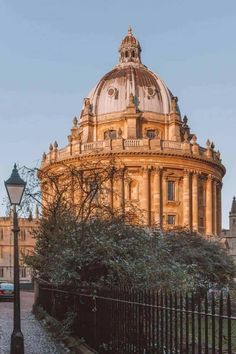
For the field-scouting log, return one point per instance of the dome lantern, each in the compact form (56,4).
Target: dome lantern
(130,49)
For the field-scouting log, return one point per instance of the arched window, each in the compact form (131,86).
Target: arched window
(151,134)
(133,54)
(126,54)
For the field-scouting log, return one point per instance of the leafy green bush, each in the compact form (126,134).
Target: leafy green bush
(110,252)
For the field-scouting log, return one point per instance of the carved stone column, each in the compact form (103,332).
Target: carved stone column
(214,207)
(157,196)
(209,229)
(219,219)
(146,195)
(195,201)
(186,199)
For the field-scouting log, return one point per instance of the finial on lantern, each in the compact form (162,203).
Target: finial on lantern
(130,31)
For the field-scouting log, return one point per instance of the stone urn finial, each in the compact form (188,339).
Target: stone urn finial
(174,104)
(75,121)
(208,144)
(194,139)
(186,137)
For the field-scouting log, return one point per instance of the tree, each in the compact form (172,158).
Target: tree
(84,189)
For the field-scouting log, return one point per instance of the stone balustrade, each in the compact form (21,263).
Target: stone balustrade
(77,148)
(133,142)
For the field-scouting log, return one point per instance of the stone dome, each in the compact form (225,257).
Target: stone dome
(130,76)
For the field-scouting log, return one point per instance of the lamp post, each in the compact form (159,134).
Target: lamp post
(15,187)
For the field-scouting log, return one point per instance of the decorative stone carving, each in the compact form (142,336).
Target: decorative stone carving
(218,155)
(185,121)
(131,99)
(87,106)
(174,104)
(194,139)
(75,121)
(186,137)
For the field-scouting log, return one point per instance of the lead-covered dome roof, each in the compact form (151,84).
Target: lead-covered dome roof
(130,76)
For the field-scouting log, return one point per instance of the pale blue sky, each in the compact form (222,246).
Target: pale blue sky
(52,52)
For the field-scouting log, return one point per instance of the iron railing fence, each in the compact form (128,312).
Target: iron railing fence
(123,320)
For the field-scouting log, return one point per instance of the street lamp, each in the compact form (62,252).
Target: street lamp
(15,187)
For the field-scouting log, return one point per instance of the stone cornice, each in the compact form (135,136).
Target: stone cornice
(84,156)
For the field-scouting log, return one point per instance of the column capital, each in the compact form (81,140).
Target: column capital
(146,169)
(121,168)
(196,172)
(209,177)
(186,172)
(157,169)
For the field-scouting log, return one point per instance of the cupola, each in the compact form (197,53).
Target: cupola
(130,49)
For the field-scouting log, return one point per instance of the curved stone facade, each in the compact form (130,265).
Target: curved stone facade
(133,116)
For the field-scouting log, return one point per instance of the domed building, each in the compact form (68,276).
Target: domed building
(132,115)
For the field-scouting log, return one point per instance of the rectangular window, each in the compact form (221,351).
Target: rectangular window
(1,272)
(22,235)
(171,219)
(1,252)
(23,272)
(1,234)
(171,190)
(201,196)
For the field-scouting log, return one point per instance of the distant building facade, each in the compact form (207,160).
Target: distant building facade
(26,246)
(228,236)
(132,116)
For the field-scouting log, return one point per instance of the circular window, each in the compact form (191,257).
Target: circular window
(111,91)
(151,91)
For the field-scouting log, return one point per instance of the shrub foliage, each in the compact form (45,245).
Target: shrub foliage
(110,252)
